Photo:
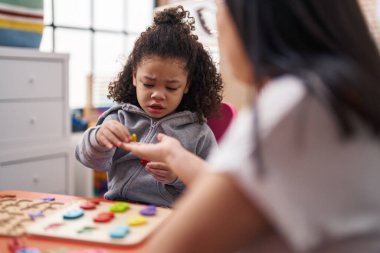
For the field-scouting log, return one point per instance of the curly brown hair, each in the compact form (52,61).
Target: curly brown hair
(171,36)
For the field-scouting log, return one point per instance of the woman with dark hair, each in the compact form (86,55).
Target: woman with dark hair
(297,171)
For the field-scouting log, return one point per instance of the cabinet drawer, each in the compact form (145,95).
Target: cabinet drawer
(30,79)
(39,174)
(32,121)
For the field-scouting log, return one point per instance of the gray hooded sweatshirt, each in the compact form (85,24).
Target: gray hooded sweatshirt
(127,179)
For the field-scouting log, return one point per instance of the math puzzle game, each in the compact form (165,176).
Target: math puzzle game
(108,222)
(105,222)
(17,213)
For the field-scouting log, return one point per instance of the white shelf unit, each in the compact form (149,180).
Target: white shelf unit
(35,124)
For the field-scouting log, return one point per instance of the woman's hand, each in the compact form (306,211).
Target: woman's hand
(170,152)
(161,172)
(112,134)
(163,151)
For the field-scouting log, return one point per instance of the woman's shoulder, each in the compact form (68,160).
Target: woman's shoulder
(280,98)
(282,93)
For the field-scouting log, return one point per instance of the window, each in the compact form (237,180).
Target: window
(98,35)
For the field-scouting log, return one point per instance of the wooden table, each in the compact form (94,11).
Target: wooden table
(45,244)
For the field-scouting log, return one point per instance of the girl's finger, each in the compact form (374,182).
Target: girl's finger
(104,141)
(160,179)
(158,173)
(157,166)
(109,135)
(121,132)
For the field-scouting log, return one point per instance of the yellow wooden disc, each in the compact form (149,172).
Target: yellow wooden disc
(136,220)
(133,138)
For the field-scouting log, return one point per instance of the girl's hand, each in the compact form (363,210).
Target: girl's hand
(112,134)
(161,172)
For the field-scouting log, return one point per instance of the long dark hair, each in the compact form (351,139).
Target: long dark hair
(171,36)
(328,38)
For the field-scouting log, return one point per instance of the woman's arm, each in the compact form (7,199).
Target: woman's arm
(214,216)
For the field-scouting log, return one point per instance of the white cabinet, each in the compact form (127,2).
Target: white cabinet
(34,121)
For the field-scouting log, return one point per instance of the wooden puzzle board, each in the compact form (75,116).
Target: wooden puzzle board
(85,229)
(17,213)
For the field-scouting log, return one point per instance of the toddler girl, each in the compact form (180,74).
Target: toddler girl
(169,85)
